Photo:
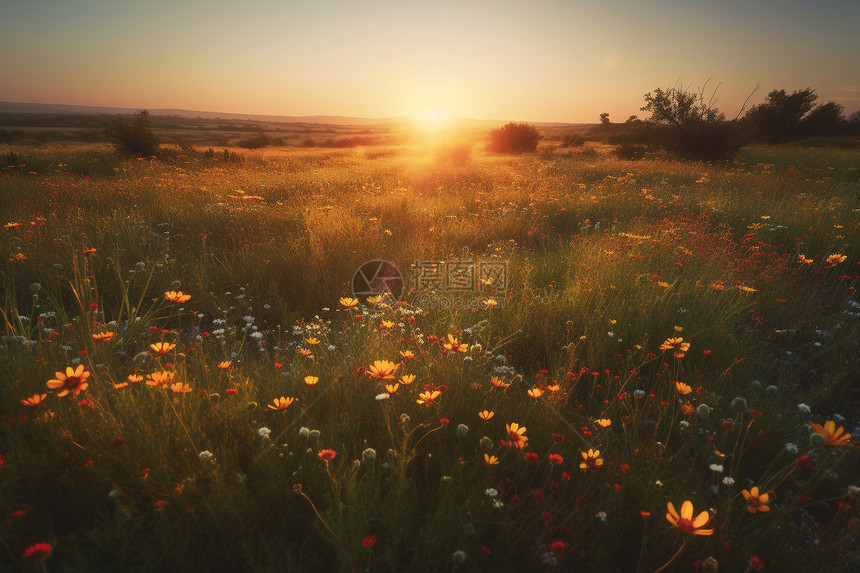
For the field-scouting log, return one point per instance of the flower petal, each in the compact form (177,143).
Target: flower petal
(687,510)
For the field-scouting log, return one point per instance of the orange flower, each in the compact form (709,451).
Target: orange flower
(685,521)
(603,422)
(407,354)
(718,286)
(407,379)
(490,460)
(135,378)
(453,345)
(281,404)
(687,409)
(120,386)
(391,388)
(683,389)
(162,347)
(72,382)
(486,414)
(535,392)
(34,401)
(835,259)
(382,369)
(675,344)
(491,303)
(180,388)
(305,351)
(553,387)
(176,296)
(833,437)
(498,382)
(160,377)
(804,259)
(386,324)
(327,455)
(311,380)
(757,502)
(517,435)
(747,289)
(591,459)
(312,341)
(348,302)
(103,336)
(225,365)
(426,398)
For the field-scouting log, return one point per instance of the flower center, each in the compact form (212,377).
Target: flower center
(72,382)
(686,525)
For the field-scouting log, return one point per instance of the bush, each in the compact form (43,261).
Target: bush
(514,138)
(630,151)
(135,139)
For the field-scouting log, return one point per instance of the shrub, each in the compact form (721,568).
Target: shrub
(255,141)
(630,151)
(135,139)
(514,138)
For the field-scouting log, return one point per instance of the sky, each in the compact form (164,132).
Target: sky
(544,60)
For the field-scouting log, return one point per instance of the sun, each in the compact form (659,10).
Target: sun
(432,118)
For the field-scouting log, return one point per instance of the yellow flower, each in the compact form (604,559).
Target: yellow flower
(34,401)
(135,378)
(603,422)
(382,369)
(662,284)
(225,365)
(675,344)
(486,414)
(535,392)
(312,341)
(553,387)
(426,398)
(280,404)
(835,259)
(180,388)
(176,296)
(120,386)
(833,436)
(103,336)
(162,347)
(591,459)
(407,379)
(517,436)
(757,502)
(160,377)
(685,521)
(407,354)
(72,382)
(374,300)
(679,328)
(490,460)
(491,303)
(747,289)
(804,259)
(498,382)
(682,388)
(311,380)
(386,324)
(453,345)
(348,302)
(391,388)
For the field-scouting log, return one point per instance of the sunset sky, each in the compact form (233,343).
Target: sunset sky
(530,61)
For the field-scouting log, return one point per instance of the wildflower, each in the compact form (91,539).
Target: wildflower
(225,365)
(747,289)
(36,553)
(162,347)
(176,296)
(326,455)
(835,259)
(490,460)
(281,404)
(486,414)
(312,341)
(517,435)
(804,259)
(391,389)
(73,381)
(757,502)
(804,409)
(685,521)
(603,422)
(683,389)
(382,369)
(426,398)
(103,336)
(535,392)
(756,563)
(687,409)
(832,435)
(716,468)
(160,377)
(370,541)
(463,430)
(264,432)
(347,302)
(459,557)
(407,379)
(180,388)
(407,354)
(311,380)
(555,459)
(34,401)
(385,324)
(303,432)
(453,345)
(591,459)
(374,300)
(498,382)
(135,378)
(718,286)
(381,397)
(491,492)
(729,481)
(676,344)
(206,455)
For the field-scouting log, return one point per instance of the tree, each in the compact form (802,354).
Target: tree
(778,118)
(826,120)
(604,119)
(514,138)
(135,139)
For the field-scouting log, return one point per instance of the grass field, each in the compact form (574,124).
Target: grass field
(663,331)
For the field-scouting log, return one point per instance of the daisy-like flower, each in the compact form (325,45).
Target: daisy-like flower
(804,259)
(162,347)
(305,351)
(407,354)
(34,401)
(347,302)
(311,380)
(386,324)
(535,392)
(683,389)
(160,377)
(120,385)
(491,303)
(451,344)
(685,522)
(591,459)
(757,502)
(374,300)
(675,344)
(553,387)
(36,553)
(517,436)
(180,388)
(555,459)
(280,404)
(747,289)
(498,382)
(103,336)
(718,286)
(426,398)
(225,365)
(490,460)
(73,382)
(835,259)
(407,379)
(486,414)
(382,369)
(327,455)
(391,388)
(135,378)
(176,296)
(833,437)
(312,341)
(603,422)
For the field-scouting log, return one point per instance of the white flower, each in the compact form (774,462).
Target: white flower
(383,396)
(658,483)
(716,468)
(304,432)
(601,515)
(804,409)
(729,481)
(264,432)
(491,492)
(791,448)
(206,455)
(498,504)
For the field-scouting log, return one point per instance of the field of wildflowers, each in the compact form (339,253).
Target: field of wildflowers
(656,371)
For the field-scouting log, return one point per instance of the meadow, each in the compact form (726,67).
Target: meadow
(635,366)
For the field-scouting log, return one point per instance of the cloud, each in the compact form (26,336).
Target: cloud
(851,89)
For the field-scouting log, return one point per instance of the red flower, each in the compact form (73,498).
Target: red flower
(756,563)
(803,464)
(555,459)
(558,547)
(369,542)
(117,442)
(532,458)
(327,455)
(803,499)
(36,553)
